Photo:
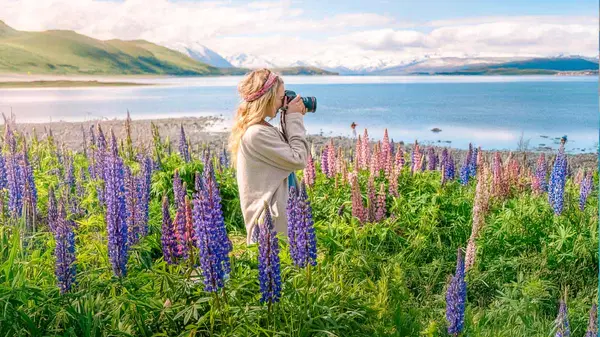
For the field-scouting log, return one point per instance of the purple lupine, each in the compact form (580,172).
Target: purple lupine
(325,161)
(224,159)
(131,199)
(450,168)
(592,329)
(269,269)
(183,146)
(444,164)
(116,213)
(28,179)
(301,232)
(556,187)
(294,220)
(92,157)
(431,159)
(562,321)
(214,213)
(178,191)
(79,189)
(65,269)
(144,197)
(182,250)
(3,173)
(69,178)
(15,184)
(456,297)
(585,189)
(473,162)
(169,244)
(539,181)
(52,209)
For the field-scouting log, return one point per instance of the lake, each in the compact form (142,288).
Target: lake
(488,111)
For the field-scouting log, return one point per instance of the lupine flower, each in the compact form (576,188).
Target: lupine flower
(358,209)
(301,232)
(183,146)
(473,162)
(116,213)
(444,164)
(415,158)
(585,189)
(500,186)
(28,179)
(52,209)
(393,188)
(169,243)
(592,329)
(374,165)
(65,269)
(358,151)
(3,173)
(365,155)
(224,159)
(131,199)
(269,269)
(480,208)
(385,148)
(179,228)
(331,159)
(372,199)
(399,160)
(69,178)
(206,238)
(325,162)
(380,213)
(562,321)
(557,182)
(214,220)
(15,184)
(538,183)
(456,297)
(144,196)
(466,166)
(450,170)
(431,159)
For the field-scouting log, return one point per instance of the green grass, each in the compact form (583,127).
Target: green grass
(380,279)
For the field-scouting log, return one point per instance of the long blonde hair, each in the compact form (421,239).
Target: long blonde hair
(250,113)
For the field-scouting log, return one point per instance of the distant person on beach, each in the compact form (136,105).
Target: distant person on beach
(265,156)
(353,126)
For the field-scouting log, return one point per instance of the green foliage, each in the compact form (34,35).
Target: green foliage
(375,279)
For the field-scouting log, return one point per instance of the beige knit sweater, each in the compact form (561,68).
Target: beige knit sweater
(264,161)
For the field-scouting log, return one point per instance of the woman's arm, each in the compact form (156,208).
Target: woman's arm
(268,146)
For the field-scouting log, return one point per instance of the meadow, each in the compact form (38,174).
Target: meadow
(126,239)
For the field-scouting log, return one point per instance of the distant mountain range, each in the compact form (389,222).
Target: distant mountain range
(67,52)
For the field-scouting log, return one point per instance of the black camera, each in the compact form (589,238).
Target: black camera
(309,102)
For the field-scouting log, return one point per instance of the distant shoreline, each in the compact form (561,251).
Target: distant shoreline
(65,84)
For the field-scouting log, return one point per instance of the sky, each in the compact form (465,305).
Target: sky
(332,32)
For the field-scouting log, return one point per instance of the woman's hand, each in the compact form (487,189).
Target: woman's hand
(296,105)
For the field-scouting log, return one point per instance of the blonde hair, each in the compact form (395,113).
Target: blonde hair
(250,113)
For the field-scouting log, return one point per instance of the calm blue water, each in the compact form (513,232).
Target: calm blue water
(491,112)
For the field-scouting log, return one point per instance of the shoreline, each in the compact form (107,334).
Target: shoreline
(212,131)
(65,84)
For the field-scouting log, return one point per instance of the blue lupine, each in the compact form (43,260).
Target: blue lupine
(213,199)
(3,173)
(169,243)
(473,163)
(540,184)
(465,170)
(562,321)
(592,329)
(558,177)
(305,239)
(15,185)
(294,219)
(183,146)
(456,297)
(269,269)
(65,269)
(116,213)
(584,190)
(28,179)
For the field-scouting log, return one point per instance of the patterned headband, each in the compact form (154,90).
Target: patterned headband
(268,84)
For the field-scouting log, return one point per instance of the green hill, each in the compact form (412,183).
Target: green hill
(65,52)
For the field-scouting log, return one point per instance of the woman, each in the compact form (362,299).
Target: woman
(263,156)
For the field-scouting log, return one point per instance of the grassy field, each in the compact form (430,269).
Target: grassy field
(372,278)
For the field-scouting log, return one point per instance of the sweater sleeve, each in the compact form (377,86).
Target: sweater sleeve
(267,145)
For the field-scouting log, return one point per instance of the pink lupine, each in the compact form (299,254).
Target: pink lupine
(325,162)
(374,165)
(331,159)
(366,156)
(393,188)
(358,209)
(309,171)
(399,160)
(385,147)
(380,213)
(358,153)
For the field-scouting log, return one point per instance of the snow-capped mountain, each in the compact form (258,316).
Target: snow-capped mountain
(200,52)
(251,61)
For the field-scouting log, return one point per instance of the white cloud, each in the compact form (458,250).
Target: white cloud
(280,30)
